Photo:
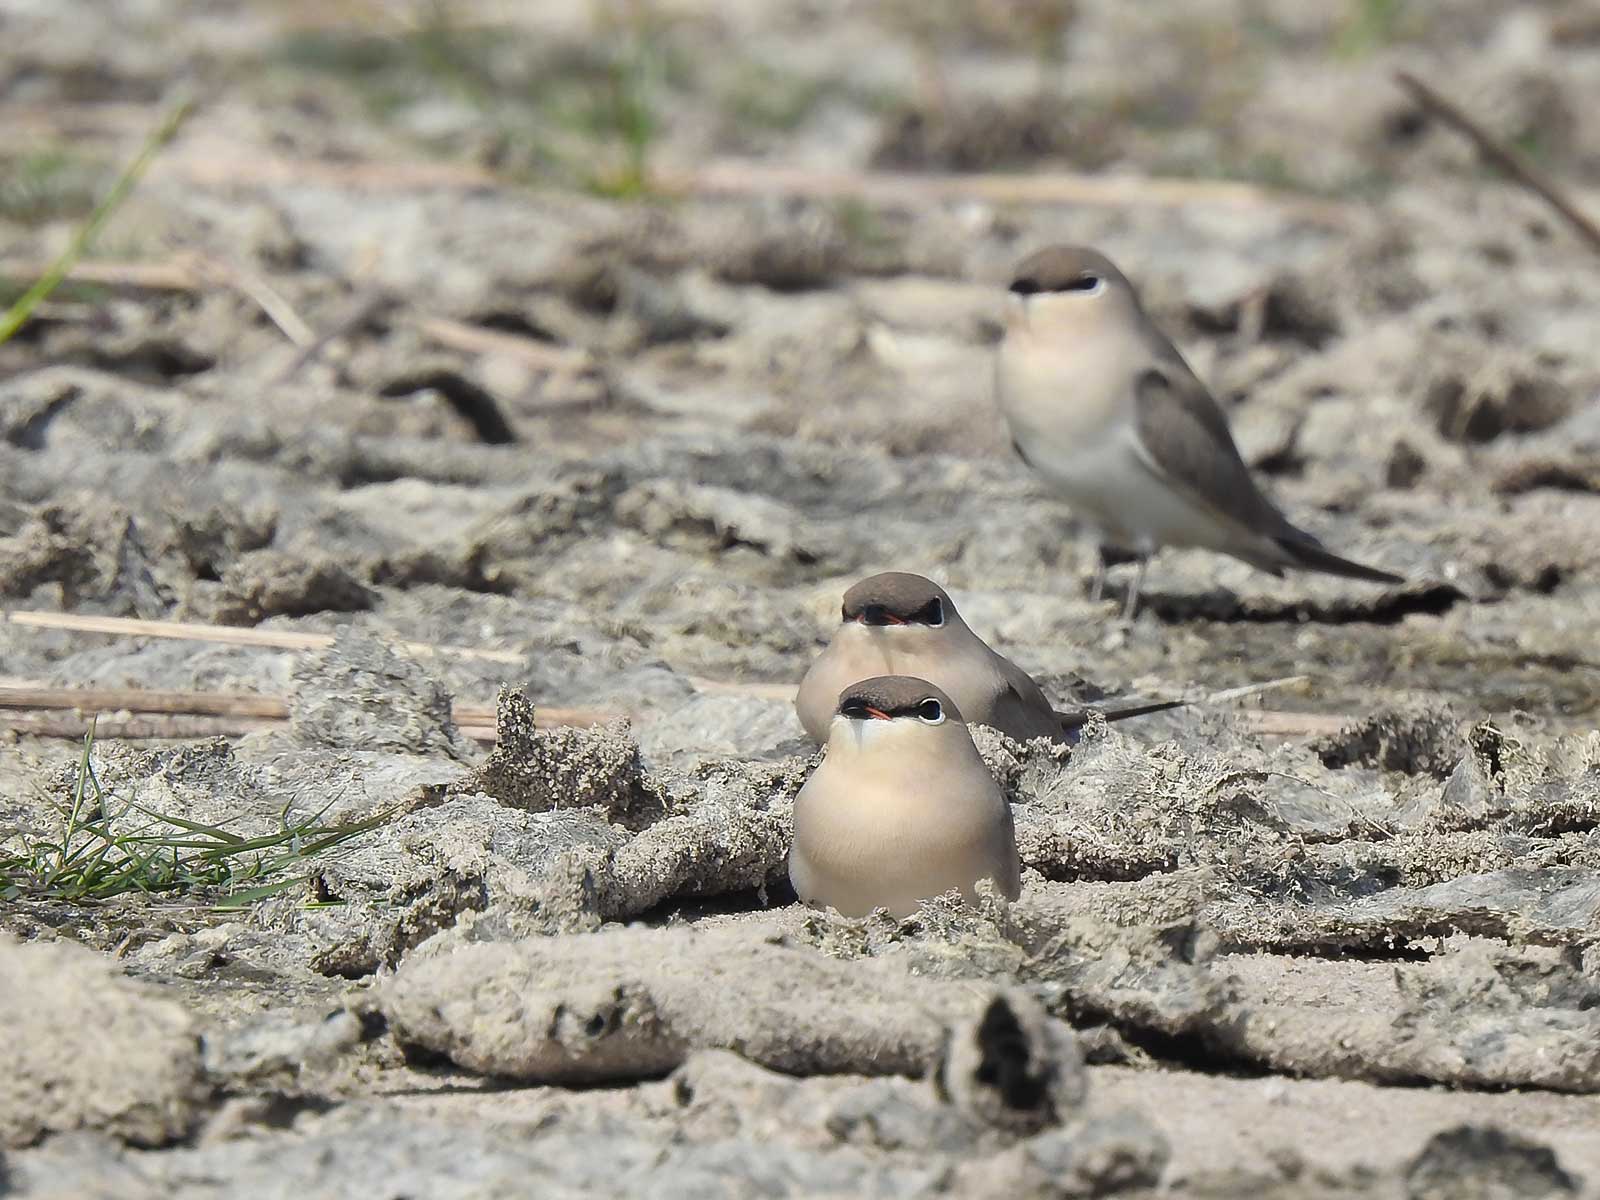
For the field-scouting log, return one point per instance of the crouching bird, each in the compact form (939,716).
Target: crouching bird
(902,808)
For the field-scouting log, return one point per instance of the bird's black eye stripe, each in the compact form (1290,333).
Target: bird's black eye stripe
(1029,286)
(931,613)
(855,708)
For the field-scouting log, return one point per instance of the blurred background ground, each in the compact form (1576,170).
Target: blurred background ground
(621,336)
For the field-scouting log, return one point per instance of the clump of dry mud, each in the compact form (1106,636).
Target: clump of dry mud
(635,447)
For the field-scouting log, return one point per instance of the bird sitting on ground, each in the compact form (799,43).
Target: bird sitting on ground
(902,808)
(897,623)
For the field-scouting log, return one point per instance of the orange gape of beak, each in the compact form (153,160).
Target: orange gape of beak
(877,714)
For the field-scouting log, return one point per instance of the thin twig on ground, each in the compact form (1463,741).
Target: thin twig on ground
(179,727)
(231,635)
(254,288)
(209,165)
(216,704)
(1293,724)
(748,177)
(176,714)
(185,272)
(458,335)
(134,726)
(40,710)
(740,178)
(1252,689)
(1509,159)
(175,275)
(762,691)
(363,310)
(194,273)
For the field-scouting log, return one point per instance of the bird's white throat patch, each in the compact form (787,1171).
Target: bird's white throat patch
(854,737)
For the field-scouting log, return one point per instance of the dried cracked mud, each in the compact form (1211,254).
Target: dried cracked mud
(616,340)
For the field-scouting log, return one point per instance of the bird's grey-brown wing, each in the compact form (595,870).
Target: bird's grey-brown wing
(1185,441)
(1020,707)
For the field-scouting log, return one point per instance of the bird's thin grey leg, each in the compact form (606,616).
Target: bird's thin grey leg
(1098,587)
(1130,606)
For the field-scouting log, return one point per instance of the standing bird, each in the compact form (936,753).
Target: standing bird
(902,808)
(898,623)
(1102,405)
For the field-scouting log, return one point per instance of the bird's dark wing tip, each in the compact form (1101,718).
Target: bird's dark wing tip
(1309,554)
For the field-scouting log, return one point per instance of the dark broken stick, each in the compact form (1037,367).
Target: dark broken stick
(178,714)
(198,704)
(161,726)
(1510,160)
(166,726)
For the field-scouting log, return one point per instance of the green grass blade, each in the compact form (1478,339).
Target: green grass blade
(219,835)
(266,891)
(17,315)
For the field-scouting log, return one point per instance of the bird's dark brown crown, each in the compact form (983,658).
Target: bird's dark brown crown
(897,598)
(1064,269)
(888,697)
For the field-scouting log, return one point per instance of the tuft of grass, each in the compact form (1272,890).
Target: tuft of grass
(104,851)
(623,113)
(1369,25)
(47,183)
(18,313)
(620,111)
(1533,143)
(862,225)
(590,113)
(767,98)
(14,287)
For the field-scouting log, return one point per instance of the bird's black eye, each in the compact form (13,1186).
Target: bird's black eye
(931,613)
(1084,283)
(930,712)
(1026,286)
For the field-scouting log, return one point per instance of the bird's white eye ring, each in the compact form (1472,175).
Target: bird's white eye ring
(930,712)
(930,614)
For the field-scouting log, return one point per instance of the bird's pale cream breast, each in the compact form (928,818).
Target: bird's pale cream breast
(902,807)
